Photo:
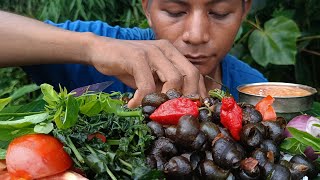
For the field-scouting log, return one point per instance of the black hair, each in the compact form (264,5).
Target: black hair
(150,1)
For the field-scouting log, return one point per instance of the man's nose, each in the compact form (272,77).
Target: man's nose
(196,29)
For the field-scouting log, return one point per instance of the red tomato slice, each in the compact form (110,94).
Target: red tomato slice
(97,135)
(4,175)
(35,156)
(270,114)
(264,106)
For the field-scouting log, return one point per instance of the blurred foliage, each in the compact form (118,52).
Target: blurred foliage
(280,37)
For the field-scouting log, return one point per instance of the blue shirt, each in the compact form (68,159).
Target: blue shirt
(71,76)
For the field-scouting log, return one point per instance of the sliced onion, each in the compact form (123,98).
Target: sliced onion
(311,129)
(299,122)
(305,123)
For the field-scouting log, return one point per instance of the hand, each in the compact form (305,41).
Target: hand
(148,66)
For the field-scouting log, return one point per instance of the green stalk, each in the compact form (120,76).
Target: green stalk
(108,170)
(125,163)
(136,154)
(113,142)
(74,150)
(111,174)
(309,38)
(127,172)
(20,114)
(129,113)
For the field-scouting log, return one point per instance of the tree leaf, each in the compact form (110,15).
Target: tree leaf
(257,5)
(276,43)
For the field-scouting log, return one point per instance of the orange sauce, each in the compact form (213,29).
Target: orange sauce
(276,91)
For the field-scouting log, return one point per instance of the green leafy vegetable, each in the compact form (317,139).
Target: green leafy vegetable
(9,134)
(4,102)
(44,128)
(292,146)
(2,153)
(24,121)
(24,90)
(305,138)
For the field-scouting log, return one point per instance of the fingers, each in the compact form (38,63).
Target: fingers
(144,82)
(202,87)
(167,73)
(190,73)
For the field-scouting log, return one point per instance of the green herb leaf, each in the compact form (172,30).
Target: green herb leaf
(4,102)
(24,121)
(91,108)
(71,114)
(24,90)
(292,146)
(9,134)
(305,138)
(34,106)
(49,94)
(44,128)
(3,154)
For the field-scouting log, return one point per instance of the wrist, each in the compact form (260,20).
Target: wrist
(85,41)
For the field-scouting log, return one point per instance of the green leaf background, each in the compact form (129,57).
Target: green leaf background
(276,43)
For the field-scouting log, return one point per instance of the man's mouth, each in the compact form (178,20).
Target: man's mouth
(197,59)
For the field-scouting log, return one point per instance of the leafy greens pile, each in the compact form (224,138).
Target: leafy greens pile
(118,135)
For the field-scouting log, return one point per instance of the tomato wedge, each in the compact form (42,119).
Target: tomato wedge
(98,136)
(35,156)
(264,106)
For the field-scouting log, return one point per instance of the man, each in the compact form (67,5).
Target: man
(193,39)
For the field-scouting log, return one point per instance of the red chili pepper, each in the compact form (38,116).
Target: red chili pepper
(97,135)
(264,106)
(170,111)
(231,116)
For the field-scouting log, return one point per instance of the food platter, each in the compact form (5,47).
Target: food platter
(170,136)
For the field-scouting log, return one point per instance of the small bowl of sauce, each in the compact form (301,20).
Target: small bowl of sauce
(289,97)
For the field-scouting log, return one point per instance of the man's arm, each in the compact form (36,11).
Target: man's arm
(148,66)
(26,41)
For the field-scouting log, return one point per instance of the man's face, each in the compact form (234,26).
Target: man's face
(202,30)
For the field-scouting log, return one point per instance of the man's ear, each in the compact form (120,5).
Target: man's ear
(146,9)
(247,7)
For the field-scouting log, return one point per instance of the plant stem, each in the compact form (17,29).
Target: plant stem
(309,38)
(111,174)
(127,172)
(129,113)
(254,25)
(245,36)
(136,154)
(74,150)
(20,114)
(125,163)
(311,52)
(113,142)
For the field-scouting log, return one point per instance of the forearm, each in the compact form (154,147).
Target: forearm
(25,41)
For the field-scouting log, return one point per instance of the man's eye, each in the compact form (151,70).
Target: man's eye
(176,14)
(218,15)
